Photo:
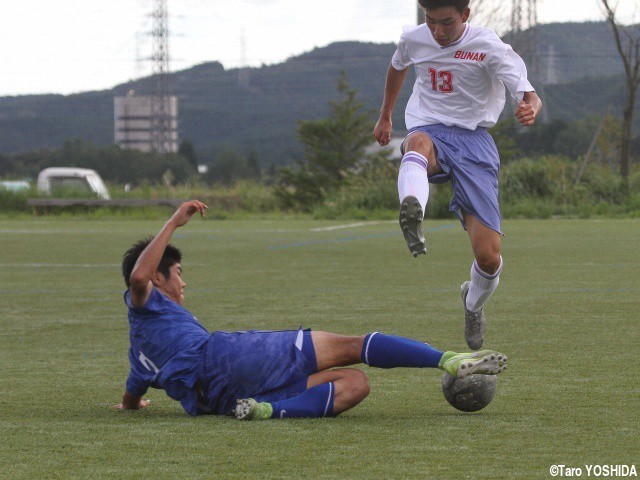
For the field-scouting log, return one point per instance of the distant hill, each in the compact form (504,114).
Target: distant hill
(573,51)
(258,108)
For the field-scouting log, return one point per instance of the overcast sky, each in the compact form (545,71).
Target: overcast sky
(69,46)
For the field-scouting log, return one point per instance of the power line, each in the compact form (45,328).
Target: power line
(162,128)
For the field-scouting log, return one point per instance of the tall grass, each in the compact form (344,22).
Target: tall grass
(530,188)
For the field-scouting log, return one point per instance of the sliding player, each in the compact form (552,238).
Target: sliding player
(255,375)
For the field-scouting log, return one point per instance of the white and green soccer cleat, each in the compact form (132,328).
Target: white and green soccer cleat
(249,409)
(411,224)
(484,362)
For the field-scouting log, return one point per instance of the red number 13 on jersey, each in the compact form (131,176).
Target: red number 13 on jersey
(446,80)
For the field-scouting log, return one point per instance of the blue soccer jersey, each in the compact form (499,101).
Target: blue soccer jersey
(166,349)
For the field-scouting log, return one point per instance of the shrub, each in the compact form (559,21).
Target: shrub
(439,200)
(13,201)
(525,178)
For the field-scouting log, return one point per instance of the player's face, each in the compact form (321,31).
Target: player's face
(173,286)
(446,24)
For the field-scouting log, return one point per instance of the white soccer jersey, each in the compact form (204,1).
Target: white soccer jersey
(462,84)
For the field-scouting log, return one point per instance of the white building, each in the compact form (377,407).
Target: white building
(146,123)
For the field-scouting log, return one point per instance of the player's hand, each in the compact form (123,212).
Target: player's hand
(142,403)
(188,210)
(382,131)
(526,114)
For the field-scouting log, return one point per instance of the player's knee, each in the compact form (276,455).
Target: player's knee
(353,386)
(489,261)
(359,387)
(421,144)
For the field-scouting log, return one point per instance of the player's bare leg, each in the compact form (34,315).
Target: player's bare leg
(418,163)
(485,276)
(333,350)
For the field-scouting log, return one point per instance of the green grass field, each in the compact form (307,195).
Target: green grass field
(566,313)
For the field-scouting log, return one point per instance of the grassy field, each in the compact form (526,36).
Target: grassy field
(566,313)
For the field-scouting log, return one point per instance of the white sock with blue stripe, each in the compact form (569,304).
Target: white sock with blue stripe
(481,287)
(412,178)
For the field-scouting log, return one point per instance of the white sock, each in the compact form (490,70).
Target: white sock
(412,178)
(481,287)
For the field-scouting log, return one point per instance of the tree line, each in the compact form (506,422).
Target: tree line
(559,164)
(123,166)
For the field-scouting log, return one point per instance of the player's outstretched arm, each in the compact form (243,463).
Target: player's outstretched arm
(131,402)
(393,85)
(149,259)
(528,109)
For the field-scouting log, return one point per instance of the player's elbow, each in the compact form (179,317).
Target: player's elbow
(137,279)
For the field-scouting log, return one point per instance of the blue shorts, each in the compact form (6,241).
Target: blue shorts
(265,365)
(469,158)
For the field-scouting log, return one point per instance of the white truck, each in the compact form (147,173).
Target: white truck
(70,178)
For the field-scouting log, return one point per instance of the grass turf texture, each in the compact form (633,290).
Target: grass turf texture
(565,313)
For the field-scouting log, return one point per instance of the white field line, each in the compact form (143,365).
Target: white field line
(28,232)
(57,265)
(348,225)
(43,232)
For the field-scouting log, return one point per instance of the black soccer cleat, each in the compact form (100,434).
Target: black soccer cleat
(411,215)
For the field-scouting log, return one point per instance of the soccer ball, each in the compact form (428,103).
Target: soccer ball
(471,393)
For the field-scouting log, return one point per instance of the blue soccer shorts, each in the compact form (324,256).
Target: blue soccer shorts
(266,365)
(470,160)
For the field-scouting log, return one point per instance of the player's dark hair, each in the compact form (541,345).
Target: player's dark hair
(459,5)
(170,257)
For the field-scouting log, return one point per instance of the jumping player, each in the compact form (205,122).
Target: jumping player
(461,71)
(253,374)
